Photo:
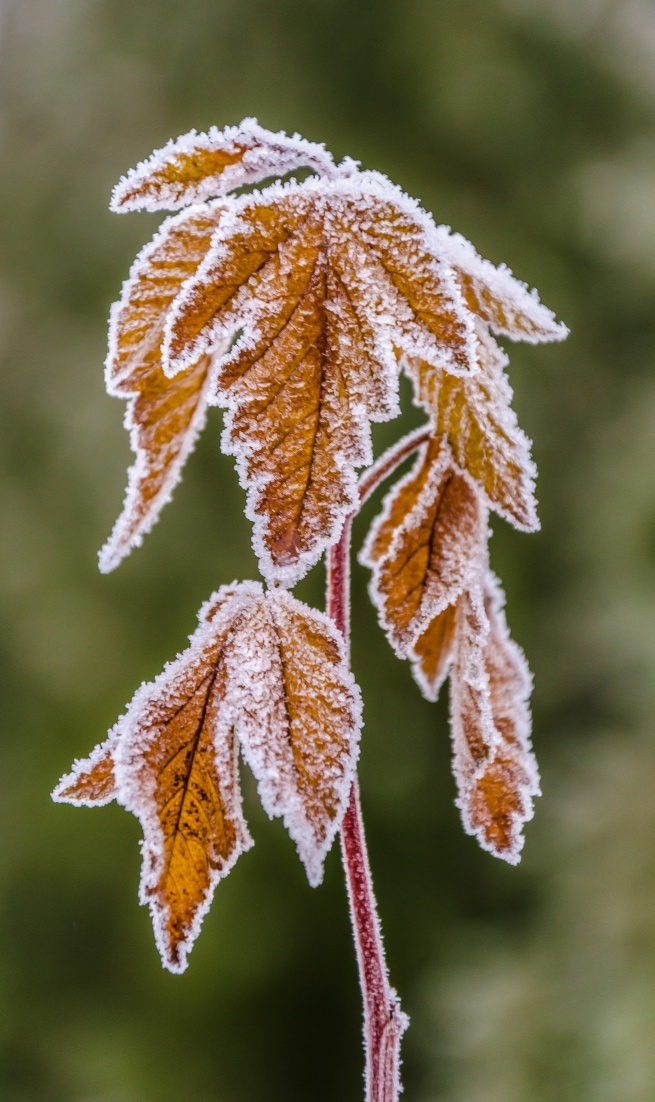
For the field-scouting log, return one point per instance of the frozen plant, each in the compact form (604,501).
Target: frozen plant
(295,308)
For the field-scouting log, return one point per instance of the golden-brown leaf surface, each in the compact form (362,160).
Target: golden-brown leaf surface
(91,781)
(298,719)
(321,280)
(501,300)
(177,771)
(164,416)
(263,673)
(425,547)
(431,654)
(200,166)
(494,765)
(476,416)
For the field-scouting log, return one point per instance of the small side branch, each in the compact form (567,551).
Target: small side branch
(392,458)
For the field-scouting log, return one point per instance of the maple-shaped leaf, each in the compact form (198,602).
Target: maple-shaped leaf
(163,416)
(321,281)
(263,673)
(476,416)
(500,299)
(425,547)
(196,167)
(490,685)
(91,782)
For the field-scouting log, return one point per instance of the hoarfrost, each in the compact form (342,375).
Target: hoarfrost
(196,167)
(163,416)
(495,769)
(91,782)
(426,547)
(477,417)
(262,672)
(501,300)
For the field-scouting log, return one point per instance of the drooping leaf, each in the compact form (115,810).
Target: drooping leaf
(322,280)
(432,653)
(91,782)
(177,771)
(494,766)
(426,546)
(496,296)
(196,167)
(298,719)
(263,672)
(163,416)
(476,416)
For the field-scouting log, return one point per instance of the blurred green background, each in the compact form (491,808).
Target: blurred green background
(529,126)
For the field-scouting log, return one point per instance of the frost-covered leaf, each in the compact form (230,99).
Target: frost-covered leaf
(163,416)
(177,771)
(298,719)
(91,781)
(496,296)
(320,281)
(426,546)
(262,672)
(495,768)
(432,653)
(477,417)
(196,167)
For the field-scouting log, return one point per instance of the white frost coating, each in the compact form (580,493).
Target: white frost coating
(489,424)
(135,329)
(490,689)
(140,727)
(462,551)
(251,635)
(430,688)
(352,209)
(525,317)
(363,284)
(304,762)
(125,535)
(82,766)
(264,154)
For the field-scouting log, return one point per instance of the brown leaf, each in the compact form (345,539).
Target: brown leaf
(322,279)
(264,672)
(431,654)
(476,416)
(496,296)
(91,781)
(425,547)
(164,416)
(298,720)
(177,772)
(494,765)
(200,166)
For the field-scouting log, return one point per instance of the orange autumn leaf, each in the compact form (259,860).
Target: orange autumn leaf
(298,717)
(495,768)
(164,416)
(264,674)
(476,416)
(91,781)
(319,282)
(499,299)
(196,167)
(432,653)
(425,547)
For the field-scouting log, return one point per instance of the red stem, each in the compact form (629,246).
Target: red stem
(384,1021)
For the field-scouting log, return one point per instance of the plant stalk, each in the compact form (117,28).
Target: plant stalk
(384,1021)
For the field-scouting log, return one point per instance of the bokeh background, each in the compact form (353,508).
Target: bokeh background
(529,126)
